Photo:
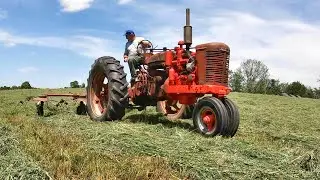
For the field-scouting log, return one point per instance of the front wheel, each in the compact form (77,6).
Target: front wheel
(234,116)
(107,90)
(210,116)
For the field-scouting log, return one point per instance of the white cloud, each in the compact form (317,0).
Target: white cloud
(88,46)
(6,39)
(3,14)
(124,1)
(287,46)
(75,5)
(28,69)
(92,47)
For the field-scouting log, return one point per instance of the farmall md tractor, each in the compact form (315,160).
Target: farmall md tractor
(196,78)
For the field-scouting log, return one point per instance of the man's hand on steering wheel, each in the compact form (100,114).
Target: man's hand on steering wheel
(146,44)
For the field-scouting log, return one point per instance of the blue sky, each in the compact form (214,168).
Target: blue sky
(53,42)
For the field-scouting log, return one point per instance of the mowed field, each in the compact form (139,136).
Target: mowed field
(278,138)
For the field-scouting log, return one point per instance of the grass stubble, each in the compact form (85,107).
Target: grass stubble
(278,138)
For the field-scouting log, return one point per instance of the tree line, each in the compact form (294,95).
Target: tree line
(253,77)
(24,85)
(75,84)
(27,85)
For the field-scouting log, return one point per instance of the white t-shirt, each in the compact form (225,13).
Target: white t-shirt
(131,47)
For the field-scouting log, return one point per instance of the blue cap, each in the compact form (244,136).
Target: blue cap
(128,32)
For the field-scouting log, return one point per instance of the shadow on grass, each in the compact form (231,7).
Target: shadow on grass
(158,119)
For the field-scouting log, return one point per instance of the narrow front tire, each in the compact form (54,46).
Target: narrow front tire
(210,116)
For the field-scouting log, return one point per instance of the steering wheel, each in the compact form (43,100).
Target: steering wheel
(141,49)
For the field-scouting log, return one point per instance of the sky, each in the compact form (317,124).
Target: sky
(53,42)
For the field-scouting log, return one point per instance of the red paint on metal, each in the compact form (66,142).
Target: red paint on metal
(169,58)
(213,63)
(171,76)
(45,97)
(209,119)
(40,99)
(196,89)
(211,67)
(143,86)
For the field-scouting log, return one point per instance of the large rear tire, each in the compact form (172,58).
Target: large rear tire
(107,102)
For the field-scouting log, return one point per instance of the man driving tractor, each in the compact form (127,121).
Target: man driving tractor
(131,54)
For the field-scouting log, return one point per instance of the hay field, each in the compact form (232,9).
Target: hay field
(278,138)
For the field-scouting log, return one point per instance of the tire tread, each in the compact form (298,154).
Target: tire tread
(117,92)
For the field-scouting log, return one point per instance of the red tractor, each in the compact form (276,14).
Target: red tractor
(183,76)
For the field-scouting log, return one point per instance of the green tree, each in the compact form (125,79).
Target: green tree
(274,87)
(74,84)
(5,88)
(283,87)
(310,93)
(26,85)
(255,75)
(15,87)
(317,93)
(83,85)
(296,88)
(236,80)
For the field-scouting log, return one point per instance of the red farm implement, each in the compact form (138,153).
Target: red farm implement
(81,99)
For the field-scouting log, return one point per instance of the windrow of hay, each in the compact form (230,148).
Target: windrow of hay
(65,155)
(278,138)
(15,164)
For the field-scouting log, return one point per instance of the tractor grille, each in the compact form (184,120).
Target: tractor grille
(217,65)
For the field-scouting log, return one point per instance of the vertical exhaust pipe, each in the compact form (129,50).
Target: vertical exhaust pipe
(187,17)
(187,31)
(188,41)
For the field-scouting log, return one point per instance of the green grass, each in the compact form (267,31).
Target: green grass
(278,138)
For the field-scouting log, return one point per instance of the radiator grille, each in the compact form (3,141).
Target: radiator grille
(217,65)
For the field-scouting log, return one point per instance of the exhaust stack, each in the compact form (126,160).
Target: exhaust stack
(187,31)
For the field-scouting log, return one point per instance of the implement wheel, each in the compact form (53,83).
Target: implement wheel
(234,117)
(106,101)
(210,116)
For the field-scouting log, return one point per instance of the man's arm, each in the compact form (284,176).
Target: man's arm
(125,54)
(144,42)
(126,51)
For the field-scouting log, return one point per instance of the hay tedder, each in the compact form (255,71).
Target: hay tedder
(182,82)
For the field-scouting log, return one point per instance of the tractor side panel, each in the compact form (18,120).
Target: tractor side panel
(155,61)
(213,63)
